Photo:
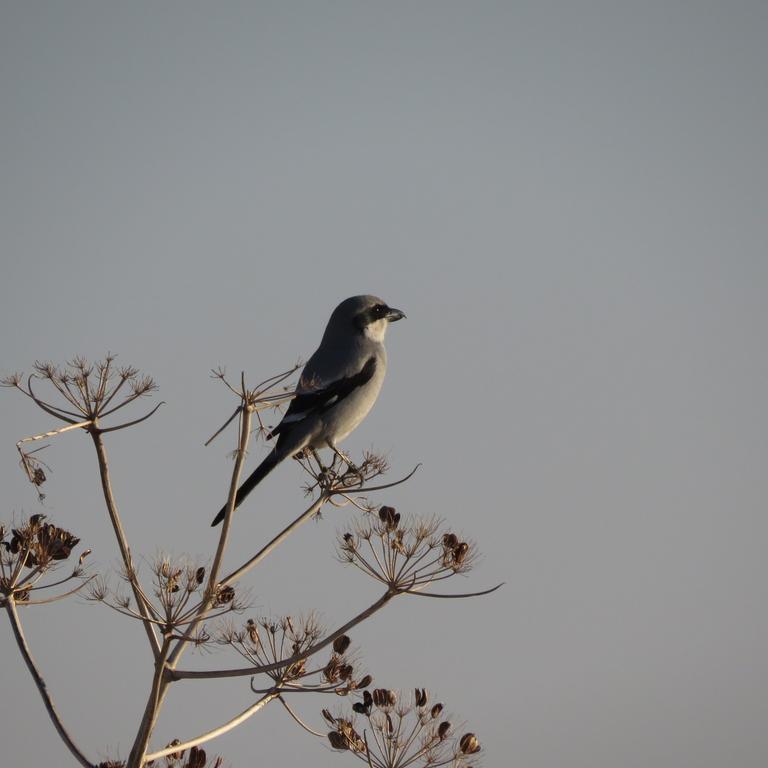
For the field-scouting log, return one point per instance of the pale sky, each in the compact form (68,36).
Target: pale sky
(568,200)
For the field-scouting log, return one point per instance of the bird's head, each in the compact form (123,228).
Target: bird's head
(365,314)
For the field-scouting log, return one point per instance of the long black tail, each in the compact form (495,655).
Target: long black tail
(256,477)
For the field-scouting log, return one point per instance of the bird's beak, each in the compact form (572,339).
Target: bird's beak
(394,315)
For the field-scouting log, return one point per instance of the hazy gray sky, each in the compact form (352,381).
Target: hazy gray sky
(568,199)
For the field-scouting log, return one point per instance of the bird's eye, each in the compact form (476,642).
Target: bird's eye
(380,310)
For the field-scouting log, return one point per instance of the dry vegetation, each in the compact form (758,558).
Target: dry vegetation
(192,604)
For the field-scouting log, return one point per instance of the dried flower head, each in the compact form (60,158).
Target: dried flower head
(340,475)
(406,555)
(195,758)
(396,734)
(90,389)
(81,394)
(32,550)
(275,643)
(179,592)
(267,641)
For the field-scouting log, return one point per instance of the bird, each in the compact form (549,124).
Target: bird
(337,388)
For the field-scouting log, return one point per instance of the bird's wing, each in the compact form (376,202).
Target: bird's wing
(322,396)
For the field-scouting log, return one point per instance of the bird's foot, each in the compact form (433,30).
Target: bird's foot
(353,475)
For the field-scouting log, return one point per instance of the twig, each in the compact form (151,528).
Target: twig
(384,486)
(131,423)
(464,594)
(223,426)
(10,606)
(276,541)
(125,551)
(55,598)
(245,435)
(297,718)
(54,432)
(220,731)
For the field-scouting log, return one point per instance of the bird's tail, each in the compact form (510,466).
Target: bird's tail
(256,477)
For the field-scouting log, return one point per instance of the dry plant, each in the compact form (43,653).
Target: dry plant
(192,604)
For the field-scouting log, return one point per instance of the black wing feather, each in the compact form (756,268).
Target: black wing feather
(321,400)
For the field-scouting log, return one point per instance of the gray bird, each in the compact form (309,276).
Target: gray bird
(337,388)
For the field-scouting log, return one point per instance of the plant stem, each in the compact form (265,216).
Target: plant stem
(245,436)
(122,543)
(220,731)
(10,606)
(152,710)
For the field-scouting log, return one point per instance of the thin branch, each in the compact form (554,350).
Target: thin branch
(112,394)
(125,551)
(54,432)
(367,489)
(298,719)
(273,381)
(31,579)
(465,594)
(131,614)
(10,606)
(131,423)
(276,541)
(55,598)
(180,674)
(64,392)
(50,409)
(212,586)
(245,435)
(223,426)
(216,732)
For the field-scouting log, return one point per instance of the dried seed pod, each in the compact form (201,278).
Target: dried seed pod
(340,644)
(420,697)
(383,697)
(460,553)
(200,575)
(175,755)
(389,517)
(364,707)
(331,670)
(365,682)
(329,717)
(436,710)
(469,744)
(443,728)
(337,740)
(225,595)
(197,758)
(450,540)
